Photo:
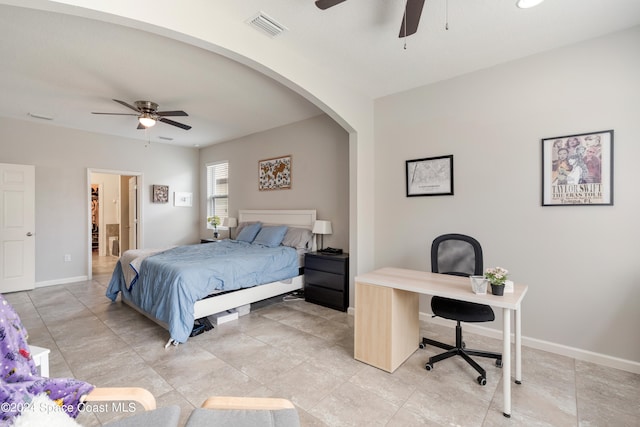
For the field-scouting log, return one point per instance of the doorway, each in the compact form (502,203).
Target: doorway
(17,227)
(114,218)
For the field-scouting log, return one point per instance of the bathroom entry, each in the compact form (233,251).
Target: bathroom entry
(114,218)
(95,217)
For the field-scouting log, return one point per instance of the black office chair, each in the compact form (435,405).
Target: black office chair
(459,255)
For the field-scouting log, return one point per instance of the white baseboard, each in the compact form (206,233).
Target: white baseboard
(61,281)
(560,349)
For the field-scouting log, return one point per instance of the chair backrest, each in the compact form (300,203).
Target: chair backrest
(456,254)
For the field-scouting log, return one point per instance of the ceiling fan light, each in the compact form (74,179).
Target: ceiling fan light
(526,4)
(146,120)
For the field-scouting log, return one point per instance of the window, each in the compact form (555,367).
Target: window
(218,190)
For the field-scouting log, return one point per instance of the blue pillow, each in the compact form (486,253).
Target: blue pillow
(248,233)
(271,236)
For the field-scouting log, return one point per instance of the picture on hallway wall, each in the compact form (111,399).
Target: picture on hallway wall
(432,176)
(160,194)
(577,170)
(274,174)
(182,198)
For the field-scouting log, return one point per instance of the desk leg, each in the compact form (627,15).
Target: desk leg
(506,361)
(518,332)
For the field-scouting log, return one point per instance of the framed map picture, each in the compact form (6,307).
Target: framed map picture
(432,176)
(274,174)
(577,170)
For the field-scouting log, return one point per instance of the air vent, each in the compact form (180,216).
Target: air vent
(166,138)
(267,25)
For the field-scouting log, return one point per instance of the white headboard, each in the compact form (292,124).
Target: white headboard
(292,218)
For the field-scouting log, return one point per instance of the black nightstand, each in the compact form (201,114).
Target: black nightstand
(326,280)
(208,240)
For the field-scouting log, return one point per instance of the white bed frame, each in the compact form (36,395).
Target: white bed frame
(227,301)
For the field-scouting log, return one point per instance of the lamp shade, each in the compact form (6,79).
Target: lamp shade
(146,120)
(322,227)
(229,222)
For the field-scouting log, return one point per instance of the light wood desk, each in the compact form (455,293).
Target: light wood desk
(387,329)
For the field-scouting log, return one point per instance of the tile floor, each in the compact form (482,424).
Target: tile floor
(304,352)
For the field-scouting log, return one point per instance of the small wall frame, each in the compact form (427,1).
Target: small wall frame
(160,194)
(182,199)
(577,170)
(431,176)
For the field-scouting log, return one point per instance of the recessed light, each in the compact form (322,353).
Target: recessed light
(526,4)
(40,116)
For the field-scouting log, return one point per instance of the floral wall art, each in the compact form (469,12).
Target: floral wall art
(160,193)
(274,174)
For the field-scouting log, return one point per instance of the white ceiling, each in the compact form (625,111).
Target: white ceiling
(65,67)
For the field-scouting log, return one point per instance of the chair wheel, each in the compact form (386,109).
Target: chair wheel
(499,363)
(464,345)
(422,345)
(428,366)
(482,380)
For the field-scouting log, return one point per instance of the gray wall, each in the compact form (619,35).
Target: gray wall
(61,158)
(579,262)
(319,169)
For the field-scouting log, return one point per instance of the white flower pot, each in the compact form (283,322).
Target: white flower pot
(478,284)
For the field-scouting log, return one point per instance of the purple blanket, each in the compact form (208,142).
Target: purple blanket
(20,380)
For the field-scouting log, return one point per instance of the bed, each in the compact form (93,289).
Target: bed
(176,286)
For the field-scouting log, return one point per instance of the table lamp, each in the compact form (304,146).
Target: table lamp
(322,227)
(229,223)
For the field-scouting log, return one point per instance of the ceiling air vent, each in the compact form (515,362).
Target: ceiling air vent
(267,25)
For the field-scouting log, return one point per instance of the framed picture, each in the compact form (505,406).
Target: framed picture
(432,176)
(182,199)
(160,194)
(274,174)
(577,170)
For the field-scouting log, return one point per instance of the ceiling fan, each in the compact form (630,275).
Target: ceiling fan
(410,19)
(148,114)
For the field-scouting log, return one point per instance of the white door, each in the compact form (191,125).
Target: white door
(17,228)
(133,212)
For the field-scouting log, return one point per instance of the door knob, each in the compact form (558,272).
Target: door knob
(29,234)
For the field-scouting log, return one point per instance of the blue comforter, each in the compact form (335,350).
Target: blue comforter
(170,282)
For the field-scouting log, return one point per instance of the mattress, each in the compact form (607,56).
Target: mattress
(168,283)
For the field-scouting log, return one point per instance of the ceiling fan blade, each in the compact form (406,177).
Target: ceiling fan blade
(411,18)
(127,105)
(117,114)
(171,113)
(326,4)
(174,123)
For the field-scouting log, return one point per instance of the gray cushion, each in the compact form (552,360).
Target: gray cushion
(243,418)
(168,416)
(299,238)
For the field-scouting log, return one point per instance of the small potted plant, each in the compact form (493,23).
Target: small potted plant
(496,276)
(215,221)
